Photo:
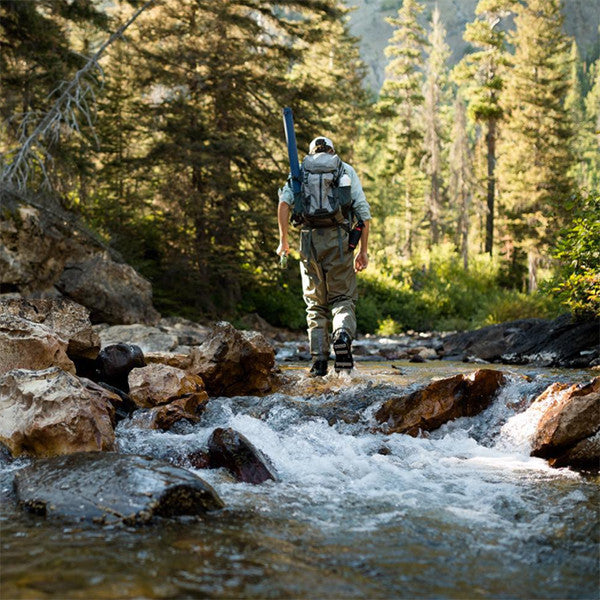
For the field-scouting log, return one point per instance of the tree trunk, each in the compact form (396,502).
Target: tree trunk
(491,185)
(532,266)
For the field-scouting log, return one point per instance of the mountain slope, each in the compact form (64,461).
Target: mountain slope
(367,20)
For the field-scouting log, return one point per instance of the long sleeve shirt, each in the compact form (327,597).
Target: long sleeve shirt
(360,206)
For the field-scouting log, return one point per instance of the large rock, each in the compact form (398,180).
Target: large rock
(33,247)
(51,412)
(234,362)
(112,488)
(560,343)
(233,451)
(114,292)
(158,384)
(64,318)
(28,345)
(567,433)
(440,401)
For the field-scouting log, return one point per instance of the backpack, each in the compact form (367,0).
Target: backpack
(321,201)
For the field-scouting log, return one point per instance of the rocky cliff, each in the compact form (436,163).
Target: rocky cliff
(367,20)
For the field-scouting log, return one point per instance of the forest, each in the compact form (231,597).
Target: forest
(158,126)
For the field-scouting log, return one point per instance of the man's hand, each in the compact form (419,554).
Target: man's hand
(361,262)
(283,248)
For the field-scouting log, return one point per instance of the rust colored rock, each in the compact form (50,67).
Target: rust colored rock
(567,432)
(157,384)
(165,416)
(233,451)
(51,412)
(64,318)
(234,362)
(440,401)
(28,345)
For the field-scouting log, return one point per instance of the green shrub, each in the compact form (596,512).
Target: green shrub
(577,283)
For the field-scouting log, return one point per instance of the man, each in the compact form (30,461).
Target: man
(328,266)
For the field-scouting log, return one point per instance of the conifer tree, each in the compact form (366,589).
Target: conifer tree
(482,75)
(461,173)
(213,79)
(435,94)
(399,131)
(536,145)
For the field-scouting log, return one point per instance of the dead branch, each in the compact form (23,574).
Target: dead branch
(75,98)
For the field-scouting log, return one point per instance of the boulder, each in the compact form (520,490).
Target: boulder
(111,488)
(234,362)
(51,412)
(33,247)
(158,384)
(233,451)
(439,402)
(561,343)
(64,318)
(114,292)
(114,363)
(28,345)
(147,337)
(567,433)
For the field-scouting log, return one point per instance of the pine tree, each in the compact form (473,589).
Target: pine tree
(435,94)
(461,173)
(212,78)
(398,131)
(536,145)
(482,76)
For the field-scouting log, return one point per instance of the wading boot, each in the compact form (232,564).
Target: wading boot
(342,344)
(319,368)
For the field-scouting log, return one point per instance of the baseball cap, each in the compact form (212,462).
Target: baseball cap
(320,141)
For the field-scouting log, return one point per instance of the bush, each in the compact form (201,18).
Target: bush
(577,284)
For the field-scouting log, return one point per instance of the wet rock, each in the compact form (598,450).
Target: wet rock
(110,488)
(170,393)
(51,412)
(160,384)
(114,363)
(114,292)
(567,434)
(560,343)
(165,416)
(234,362)
(146,337)
(28,345)
(439,402)
(64,318)
(233,451)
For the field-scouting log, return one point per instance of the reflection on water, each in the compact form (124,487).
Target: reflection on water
(463,513)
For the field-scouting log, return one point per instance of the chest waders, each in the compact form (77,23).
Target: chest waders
(329,285)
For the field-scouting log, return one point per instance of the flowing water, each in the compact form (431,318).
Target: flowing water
(463,513)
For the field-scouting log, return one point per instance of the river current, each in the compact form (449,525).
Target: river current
(462,513)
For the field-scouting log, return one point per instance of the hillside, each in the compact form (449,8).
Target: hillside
(368,22)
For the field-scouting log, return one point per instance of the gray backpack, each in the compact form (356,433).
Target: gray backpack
(322,202)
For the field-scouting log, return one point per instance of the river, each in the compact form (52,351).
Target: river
(462,513)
